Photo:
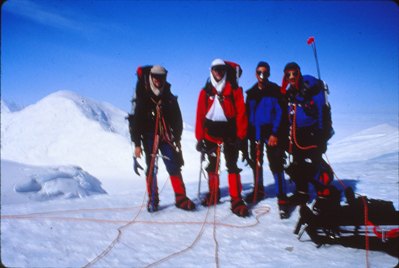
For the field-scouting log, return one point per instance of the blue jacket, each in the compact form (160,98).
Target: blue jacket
(264,111)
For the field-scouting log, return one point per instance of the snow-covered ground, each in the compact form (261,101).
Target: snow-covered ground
(69,198)
(32,183)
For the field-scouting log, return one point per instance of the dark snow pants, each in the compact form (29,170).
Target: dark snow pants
(170,157)
(230,151)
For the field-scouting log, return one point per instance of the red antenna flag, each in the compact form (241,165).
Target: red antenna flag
(310,40)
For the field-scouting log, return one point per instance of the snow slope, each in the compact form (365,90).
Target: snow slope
(367,144)
(65,128)
(116,231)
(81,148)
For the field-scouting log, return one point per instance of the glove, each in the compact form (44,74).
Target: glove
(320,141)
(179,153)
(201,146)
(322,147)
(179,158)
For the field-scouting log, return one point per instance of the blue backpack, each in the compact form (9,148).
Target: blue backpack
(313,86)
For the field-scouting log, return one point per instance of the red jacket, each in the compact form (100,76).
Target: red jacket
(233,109)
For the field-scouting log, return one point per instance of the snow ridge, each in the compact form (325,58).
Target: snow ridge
(367,144)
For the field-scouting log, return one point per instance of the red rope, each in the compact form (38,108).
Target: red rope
(259,213)
(116,240)
(335,175)
(120,232)
(218,151)
(149,179)
(202,229)
(366,220)
(294,133)
(394,233)
(195,241)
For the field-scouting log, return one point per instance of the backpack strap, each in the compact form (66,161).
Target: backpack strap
(208,90)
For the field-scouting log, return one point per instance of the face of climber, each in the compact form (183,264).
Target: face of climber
(262,73)
(218,72)
(292,76)
(158,80)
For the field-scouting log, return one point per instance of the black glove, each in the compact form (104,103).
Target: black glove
(179,153)
(179,158)
(201,146)
(321,141)
(322,147)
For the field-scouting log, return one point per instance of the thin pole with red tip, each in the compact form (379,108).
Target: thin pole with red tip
(311,41)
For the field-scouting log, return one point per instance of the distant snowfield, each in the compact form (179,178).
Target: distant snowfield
(70,198)
(367,144)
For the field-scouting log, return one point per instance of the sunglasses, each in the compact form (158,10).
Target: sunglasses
(260,72)
(219,68)
(288,74)
(158,76)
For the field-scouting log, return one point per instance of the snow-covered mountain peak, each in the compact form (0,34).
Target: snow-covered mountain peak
(65,128)
(66,102)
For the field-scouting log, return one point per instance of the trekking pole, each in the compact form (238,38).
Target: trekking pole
(200,175)
(217,171)
(311,41)
(153,168)
(257,170)
(152,172)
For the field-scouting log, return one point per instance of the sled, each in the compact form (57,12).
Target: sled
(361,223)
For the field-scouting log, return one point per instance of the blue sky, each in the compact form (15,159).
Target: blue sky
(94,47)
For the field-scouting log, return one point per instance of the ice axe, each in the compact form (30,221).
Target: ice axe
(311,42)
(136,166)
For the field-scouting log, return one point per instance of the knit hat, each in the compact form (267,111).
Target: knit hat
(158,69)
(285,82)
(263,64)
(292,65)
(217,62)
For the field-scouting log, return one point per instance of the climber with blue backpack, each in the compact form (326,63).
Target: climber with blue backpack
(310,127)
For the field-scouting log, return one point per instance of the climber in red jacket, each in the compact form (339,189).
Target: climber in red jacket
(221,122)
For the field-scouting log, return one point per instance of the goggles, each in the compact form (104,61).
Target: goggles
(291,73)
(158,76)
